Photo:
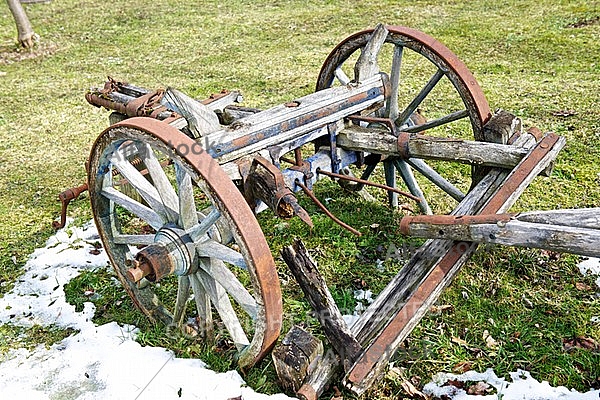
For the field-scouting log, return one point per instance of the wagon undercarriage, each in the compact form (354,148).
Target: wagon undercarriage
(175,183)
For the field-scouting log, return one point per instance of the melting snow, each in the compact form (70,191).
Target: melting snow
(102,362)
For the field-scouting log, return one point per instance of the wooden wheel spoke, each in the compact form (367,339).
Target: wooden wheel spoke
(133,240)
(390,180)
(455,116)
(198,231)
(221,301)
(412,107)
(223,275)
(341,76)
(141,184)
(436,178)
(202,299)
(213,249)
(392,105)
(183,294)
(161,181)
(153,219)
(412,184)
(188,216)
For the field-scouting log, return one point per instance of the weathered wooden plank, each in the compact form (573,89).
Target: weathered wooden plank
(210,248)
(286,122)
(188,216)
(581,217)
(160,180)
(221,301)
(133,240)
(314,287)
(565,239)
(202,300)
(141,185)
(430,148)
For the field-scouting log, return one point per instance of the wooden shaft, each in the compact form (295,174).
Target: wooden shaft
(426,147)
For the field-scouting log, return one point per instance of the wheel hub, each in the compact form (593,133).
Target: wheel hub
(173,252)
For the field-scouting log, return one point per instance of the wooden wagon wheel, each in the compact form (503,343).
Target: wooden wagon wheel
(193,232)
(424,74)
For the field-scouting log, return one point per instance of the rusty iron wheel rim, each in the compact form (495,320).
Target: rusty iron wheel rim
(464,84)
(236,219)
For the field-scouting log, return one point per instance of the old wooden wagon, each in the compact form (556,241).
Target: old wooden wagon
(175,184)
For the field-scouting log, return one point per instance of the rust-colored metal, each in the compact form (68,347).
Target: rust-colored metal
(139,271)
(417,41)
(520,173)
(335,219)
(281,200)
(368,183)
(374,120)
(65,198)
(228,198)
(445,220)
(380,345)
(403,141)
(153,263)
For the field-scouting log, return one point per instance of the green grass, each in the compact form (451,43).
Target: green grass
(530,57)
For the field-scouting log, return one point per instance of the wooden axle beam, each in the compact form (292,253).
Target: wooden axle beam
(567,236)
(379,141)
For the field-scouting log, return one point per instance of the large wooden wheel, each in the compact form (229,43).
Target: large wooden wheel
(425,79)
(185,241)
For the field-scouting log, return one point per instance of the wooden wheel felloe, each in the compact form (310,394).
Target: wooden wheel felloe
(190,244)
(432,92)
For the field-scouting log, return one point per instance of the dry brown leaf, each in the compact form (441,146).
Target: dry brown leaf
(462,367)
(582,286)
(580,342)
(412,391)
(479,389)
(441,309)
(490,342)
(459,341)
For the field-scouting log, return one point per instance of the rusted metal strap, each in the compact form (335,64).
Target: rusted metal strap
(368,183)
(335,219)
(382,345)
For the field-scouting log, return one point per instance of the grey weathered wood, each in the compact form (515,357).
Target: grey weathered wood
(436,178)
(188,217)
(201,119)
(582,217)
(390,300)
(222,303)
(366,65)
(211,248)
(141,185)
(160,180)
(430,269)
(202,300)
(392,110)
(426,147)
(295,357)
(183,295)
(412,184)
(565,239)
(147,214)
(314,287)
(310,104)
(134,240)
(414,104)
(226,278)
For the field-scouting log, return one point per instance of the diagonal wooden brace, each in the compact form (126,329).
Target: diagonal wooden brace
(375,358)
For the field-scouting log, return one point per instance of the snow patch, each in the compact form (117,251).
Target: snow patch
(99,362)
(520,387)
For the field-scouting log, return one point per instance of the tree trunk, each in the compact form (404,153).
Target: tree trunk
(26,35)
